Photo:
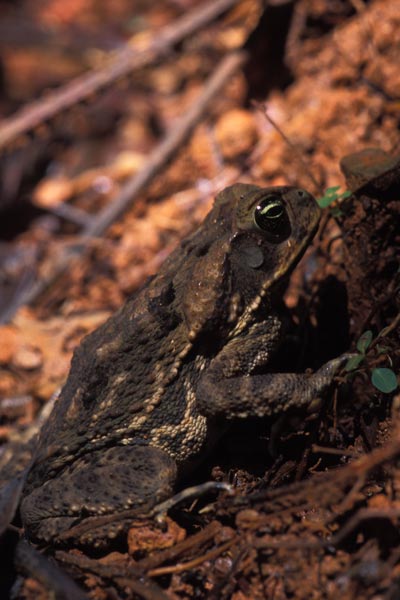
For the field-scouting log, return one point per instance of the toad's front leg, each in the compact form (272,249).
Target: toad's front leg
(229,390)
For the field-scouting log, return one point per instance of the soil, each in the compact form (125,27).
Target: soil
(316,504)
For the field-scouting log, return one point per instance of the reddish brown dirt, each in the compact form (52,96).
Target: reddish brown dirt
(318,516)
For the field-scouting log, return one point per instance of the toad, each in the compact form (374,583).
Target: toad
(152,388)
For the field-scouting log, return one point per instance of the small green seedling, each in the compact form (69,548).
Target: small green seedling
(383,379)
(332,195)
(362,346)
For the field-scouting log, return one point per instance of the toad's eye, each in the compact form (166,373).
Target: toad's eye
(270,214)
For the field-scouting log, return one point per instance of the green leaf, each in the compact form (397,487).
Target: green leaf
(364,341)
(331,195)
(384,380)
(354,362)
(326,200)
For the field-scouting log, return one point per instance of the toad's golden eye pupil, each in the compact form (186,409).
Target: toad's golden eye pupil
(269,213)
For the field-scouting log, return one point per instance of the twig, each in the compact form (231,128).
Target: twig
(123,575)
(385,332)
(121,63)
(146,589)
(194,541)
(178,568)
(334,451)
(141,568)
(263,109)
(34,564)
(342,477)
(159,158)
(175,138)
(362,515)
(353,523)
(225,587)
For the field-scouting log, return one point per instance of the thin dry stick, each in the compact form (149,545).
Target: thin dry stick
(194,541)
(125,575)
(148,590)
(168,146)
(335,451)
(361,515)
(159,158)
(191,564)
(262,108)
(121,63)
(36,565)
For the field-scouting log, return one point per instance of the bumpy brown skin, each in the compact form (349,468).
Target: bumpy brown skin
(149,389)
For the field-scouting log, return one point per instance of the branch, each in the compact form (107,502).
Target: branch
(157,160)
(121,63)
